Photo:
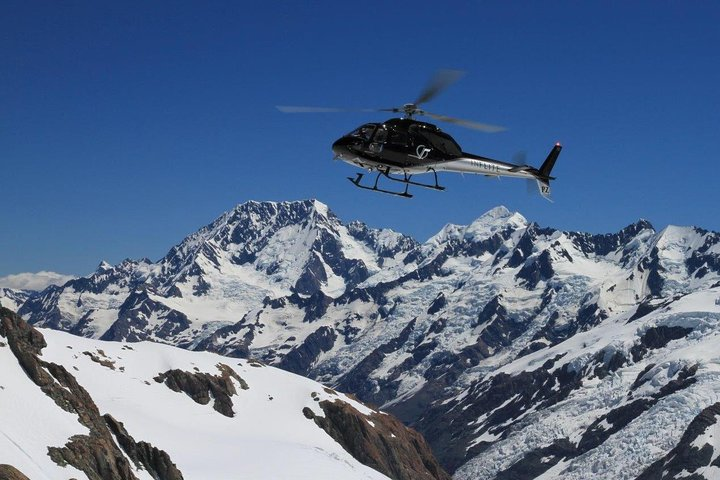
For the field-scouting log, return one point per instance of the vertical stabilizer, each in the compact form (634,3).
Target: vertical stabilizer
(543,176)
(549,162)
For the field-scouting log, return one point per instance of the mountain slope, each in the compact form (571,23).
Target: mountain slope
(75,407)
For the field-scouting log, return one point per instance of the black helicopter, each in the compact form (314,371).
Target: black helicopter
(402,147)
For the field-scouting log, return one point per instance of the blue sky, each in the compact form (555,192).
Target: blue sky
(127,125)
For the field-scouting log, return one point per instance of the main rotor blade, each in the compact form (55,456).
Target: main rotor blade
(483,127)
(441,80)
(297,109)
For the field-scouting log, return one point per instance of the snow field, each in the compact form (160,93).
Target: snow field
(269,437)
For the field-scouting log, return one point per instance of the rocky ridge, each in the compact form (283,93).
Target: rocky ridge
(96,454)
(120,378)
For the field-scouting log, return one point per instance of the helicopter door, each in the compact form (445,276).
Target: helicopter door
(378,140)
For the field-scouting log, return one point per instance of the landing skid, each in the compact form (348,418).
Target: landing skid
(406,180)
(356,181)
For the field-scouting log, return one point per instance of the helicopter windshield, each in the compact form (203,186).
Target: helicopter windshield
(365,132)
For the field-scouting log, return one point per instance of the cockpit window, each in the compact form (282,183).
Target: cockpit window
(365,132)
(380,135)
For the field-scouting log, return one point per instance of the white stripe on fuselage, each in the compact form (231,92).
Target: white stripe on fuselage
(479,167)
(459,165)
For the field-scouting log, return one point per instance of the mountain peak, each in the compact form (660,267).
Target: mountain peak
(637,227)
(103,267)
(679,238)
(294,208)
(486,225)
(501,211)
(493,220)
(320,207)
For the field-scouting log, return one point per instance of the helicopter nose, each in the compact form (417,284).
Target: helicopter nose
(340,147)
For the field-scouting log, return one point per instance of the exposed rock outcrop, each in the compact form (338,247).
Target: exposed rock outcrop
(144,455)
(96,454)
(8,472)
(657,337)
(201,387)
(379,441)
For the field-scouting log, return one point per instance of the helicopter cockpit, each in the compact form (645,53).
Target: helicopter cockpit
(401,134)
(365,132)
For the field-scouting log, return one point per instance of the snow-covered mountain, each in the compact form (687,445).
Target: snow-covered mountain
(251,255)
(518,350)
(83,408)
(12,298)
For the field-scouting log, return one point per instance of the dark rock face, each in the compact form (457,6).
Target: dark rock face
(687,456)
(606,243)
(645,307)
(43,306)
(312,277)
(314,305)
(701,262)
(8,472)
(302,357)
(385,445)
(217,341)
(155,461)
(523,249)
(475,248)
(501,329)
(587,317)
(655,280)
(437,304)
(201,387)
(536,270)
(96,454)
(657,337)
(133,317)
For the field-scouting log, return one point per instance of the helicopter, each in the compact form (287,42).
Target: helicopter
(400,148)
